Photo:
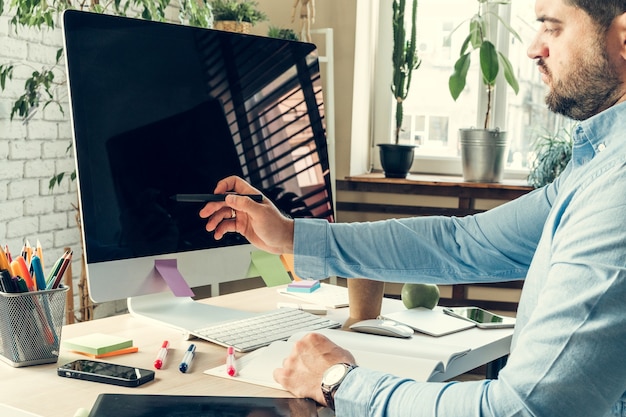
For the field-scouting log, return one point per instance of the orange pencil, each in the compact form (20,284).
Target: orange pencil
(20,269)
(5,263)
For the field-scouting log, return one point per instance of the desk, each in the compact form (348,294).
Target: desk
(39,390)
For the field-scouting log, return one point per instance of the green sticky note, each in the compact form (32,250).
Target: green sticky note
(269,267)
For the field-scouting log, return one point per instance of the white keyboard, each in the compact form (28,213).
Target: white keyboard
(252,333)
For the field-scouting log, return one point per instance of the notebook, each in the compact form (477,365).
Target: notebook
(431,322)
(138,405)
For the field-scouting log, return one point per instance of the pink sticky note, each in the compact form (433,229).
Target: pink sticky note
(168,269)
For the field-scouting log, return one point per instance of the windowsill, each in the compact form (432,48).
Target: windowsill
(441,180)
(449,166)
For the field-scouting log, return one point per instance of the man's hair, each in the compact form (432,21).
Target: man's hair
(601,11)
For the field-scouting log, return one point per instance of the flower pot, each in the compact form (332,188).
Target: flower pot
(232,26)
(396,160)
(483,153)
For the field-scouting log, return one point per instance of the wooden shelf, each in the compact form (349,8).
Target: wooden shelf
(445,186)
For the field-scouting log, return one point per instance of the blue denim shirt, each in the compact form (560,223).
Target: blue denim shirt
(567,240)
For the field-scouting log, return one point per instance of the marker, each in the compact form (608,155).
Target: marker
(205,198)
(186,362)
(231,369)
(160,359)
(6,282)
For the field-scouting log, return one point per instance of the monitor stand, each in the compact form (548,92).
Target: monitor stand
(182,313)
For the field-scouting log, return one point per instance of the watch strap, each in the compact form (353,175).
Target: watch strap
(329,390)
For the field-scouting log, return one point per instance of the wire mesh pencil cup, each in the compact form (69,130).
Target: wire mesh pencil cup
(30,326)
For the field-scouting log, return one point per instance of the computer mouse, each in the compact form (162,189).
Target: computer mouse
(383,327)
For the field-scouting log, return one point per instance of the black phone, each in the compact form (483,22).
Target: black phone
(108,373)
(482,318)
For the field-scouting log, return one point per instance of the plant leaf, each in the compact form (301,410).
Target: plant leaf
(457,80)
(509,73)
(489,62)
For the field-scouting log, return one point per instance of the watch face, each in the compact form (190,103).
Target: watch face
(334,374)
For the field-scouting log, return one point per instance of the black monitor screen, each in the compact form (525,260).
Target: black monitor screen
(162,109)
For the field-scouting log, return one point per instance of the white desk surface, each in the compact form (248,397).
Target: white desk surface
(38,389)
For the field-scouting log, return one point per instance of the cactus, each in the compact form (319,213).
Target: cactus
(404,58)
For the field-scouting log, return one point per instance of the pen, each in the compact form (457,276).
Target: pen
(231,369)
(186,362)
(160,359)
(205,198)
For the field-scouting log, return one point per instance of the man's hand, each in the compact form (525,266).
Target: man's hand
(261,223)
(303,369)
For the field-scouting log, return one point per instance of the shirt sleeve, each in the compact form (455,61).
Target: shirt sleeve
(496,245)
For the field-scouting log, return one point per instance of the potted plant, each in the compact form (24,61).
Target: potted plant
(483,150)
(553,151)
(236,15)
(282,33)
(396,159)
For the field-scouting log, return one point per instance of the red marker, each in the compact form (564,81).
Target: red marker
(231,370)
(160,359)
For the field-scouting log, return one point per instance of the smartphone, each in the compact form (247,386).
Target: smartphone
(482,318)
(108,373)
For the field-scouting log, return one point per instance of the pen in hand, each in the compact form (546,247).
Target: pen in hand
(231,369)
(186,362)
(160,359)
(205,198)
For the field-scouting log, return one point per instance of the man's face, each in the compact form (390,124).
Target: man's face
(574,61)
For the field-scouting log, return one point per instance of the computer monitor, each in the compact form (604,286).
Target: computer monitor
(161,109)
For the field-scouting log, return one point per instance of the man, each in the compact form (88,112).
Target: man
(568,240)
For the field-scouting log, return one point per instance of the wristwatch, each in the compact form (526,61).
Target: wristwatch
(331,380)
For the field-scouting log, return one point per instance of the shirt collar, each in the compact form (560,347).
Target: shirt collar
(597,133)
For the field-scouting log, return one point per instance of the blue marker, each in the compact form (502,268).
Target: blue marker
(186,362)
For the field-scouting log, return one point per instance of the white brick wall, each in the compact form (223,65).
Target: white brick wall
(32,153)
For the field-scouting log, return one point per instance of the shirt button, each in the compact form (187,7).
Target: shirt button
(601,147)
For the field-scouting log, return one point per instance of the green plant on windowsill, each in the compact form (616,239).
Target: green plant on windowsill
(237,11)
(395,158)
(491,60)
(282,33)
(553,152)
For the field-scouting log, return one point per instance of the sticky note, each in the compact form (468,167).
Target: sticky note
(270,267)
(303,286)
(97,343)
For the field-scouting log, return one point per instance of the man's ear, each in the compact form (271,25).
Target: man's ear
(619,25)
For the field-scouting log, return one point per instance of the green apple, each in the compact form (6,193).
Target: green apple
(420,295)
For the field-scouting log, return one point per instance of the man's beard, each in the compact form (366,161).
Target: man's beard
(586,91)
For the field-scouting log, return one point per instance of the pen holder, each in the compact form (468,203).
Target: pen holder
(30,326)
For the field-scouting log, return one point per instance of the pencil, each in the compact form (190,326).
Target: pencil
(205,198)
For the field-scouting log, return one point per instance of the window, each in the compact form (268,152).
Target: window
(432,117)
